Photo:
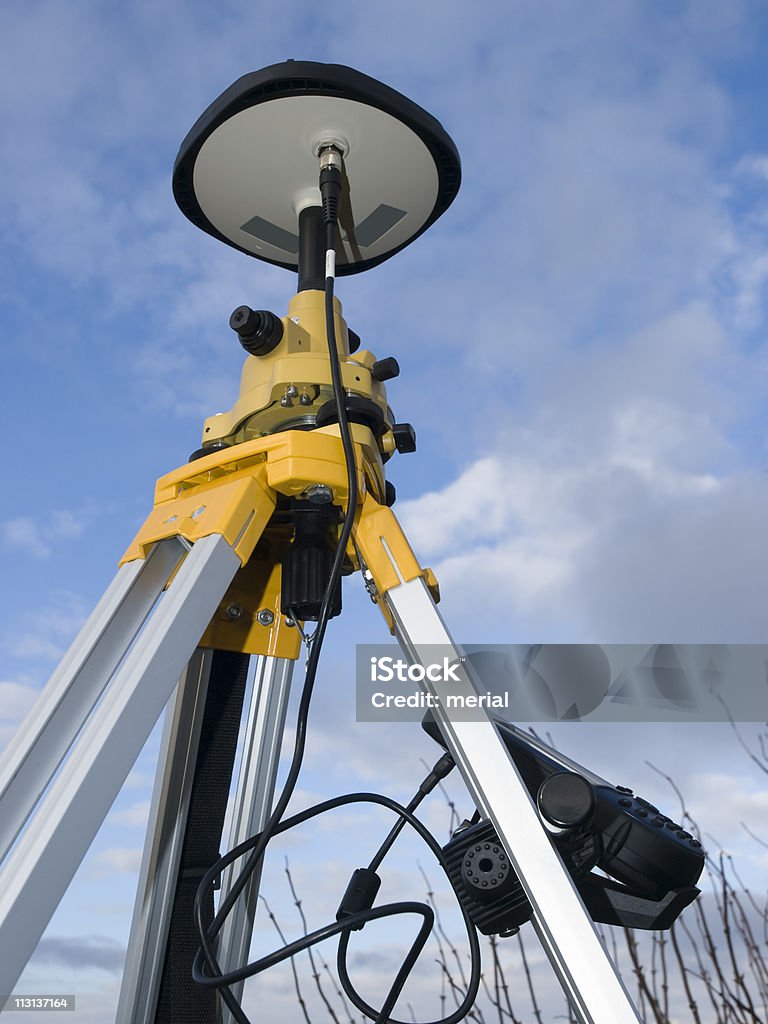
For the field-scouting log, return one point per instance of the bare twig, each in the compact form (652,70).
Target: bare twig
(642,980)
(738,976)
(752,835)
(692,1004)
(761,762)
(498,970)
(315,972)
(529,979)
(296,985)
(441,937)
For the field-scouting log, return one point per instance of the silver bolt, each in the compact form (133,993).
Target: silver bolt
(286,402)
(266,617)
(292,391)
(233,612)
(290,622)
(319,494)
(305,399)
(370,584)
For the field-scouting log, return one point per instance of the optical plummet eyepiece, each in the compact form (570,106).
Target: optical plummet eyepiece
(259,330)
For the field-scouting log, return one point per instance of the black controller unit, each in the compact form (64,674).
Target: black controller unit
(653,862)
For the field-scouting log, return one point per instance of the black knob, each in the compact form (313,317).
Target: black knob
(566,800)
(259,330)
(354,340)
(385,369)
(390,494)
(308,561)
(216,446)
(405,438)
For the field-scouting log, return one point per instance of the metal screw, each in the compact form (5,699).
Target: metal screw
(305,399)
(290,622)
(370,584)
(286,402)
(266,617)
(319,494)
(292,391)
(233,612)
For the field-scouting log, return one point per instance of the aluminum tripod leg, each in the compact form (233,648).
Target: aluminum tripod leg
(45,858)
(167,824)
(35,752)
(562,923)
(162,851)
(253,804)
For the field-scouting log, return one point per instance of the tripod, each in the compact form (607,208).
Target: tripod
(239,551)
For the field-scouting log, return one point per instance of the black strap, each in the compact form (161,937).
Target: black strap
(180,1000)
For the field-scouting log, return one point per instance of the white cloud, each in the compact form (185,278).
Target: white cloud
(755,164)
(613,504)
(138,779)
(117,860)
(78,952)
(725,799)
(46,632)
(134,816)
(39,537)
(625,567)
(16,700)
(23,533)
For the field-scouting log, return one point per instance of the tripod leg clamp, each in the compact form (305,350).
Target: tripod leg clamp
(387,557)
(238,508)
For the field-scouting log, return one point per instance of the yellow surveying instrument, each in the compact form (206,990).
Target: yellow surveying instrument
(324,171)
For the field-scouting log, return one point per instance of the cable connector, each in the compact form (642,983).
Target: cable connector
(330,157)
(443,767)
(330,183)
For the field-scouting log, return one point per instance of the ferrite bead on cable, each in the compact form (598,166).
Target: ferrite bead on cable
(360,894)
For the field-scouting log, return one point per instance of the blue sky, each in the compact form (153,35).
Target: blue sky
(581,339)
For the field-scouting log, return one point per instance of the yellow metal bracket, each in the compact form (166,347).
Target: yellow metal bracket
(238,507)
(382,546)
(249,617)
(233,492)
